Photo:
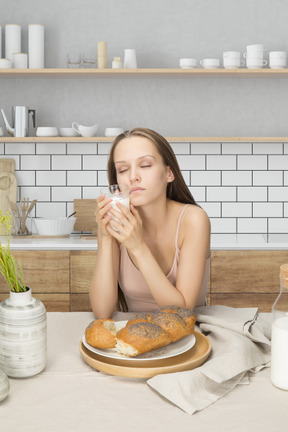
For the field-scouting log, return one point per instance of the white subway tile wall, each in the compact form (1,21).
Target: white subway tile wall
(242,186)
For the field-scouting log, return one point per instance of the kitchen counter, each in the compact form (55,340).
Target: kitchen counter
(218,242)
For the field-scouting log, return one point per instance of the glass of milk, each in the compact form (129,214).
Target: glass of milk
(118,193)
(279,336)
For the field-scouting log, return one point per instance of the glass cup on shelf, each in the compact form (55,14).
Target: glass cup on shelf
(74,59)
(89,59)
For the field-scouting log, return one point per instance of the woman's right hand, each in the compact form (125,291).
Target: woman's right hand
(102,216)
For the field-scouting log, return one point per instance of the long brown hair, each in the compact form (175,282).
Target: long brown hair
(177,190)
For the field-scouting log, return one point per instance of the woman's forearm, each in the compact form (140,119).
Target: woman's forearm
(104,285)
(161,288)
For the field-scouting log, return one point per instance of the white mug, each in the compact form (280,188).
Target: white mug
(188,63)
(20,60)
(130,61)
(254,55)
(256,47)
(1,132)
(255,63)
(5,63)
(210,63)
(232,63)
(231,55)
(277,55)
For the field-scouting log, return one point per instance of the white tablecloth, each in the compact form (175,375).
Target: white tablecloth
(71,396)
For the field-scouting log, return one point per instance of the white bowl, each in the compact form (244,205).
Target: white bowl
(54,227)
(113,132)
(47,132)
(188,63)
(68,132)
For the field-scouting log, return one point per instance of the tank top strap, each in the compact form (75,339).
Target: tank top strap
(178,225)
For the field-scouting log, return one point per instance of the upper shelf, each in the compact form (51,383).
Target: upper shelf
(174,72)
(170,139)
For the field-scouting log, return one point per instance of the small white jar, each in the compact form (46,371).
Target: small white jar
(117,63)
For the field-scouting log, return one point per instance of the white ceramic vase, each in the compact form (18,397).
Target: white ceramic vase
(23,335)
(4,385)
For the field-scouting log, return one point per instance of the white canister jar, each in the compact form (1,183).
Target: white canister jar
(130,61)
(36,46)
(117,63)
(20,61)
(12,39)
(23,335)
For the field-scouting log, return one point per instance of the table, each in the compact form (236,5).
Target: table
(71,396)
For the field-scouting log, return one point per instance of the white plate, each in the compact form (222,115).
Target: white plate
(165,352)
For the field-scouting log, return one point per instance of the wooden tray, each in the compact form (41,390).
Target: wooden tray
(147,369)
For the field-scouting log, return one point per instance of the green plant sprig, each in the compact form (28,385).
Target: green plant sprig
(12,272)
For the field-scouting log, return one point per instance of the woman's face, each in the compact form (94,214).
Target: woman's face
(139,165)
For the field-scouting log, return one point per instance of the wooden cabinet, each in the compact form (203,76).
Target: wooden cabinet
(246,278)
(47,274)
(82,265)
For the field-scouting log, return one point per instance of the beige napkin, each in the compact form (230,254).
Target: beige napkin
(240,343)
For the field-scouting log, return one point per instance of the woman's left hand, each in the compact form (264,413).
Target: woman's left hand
(129,227)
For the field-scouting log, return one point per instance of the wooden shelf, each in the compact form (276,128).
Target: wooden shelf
(165,72)
(170,139)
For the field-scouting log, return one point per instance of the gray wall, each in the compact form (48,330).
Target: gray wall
(162,32)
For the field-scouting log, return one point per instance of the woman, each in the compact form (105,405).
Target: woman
(161,253)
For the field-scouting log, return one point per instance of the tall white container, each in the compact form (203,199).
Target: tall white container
(279,337)
(36,46)
(12,40)
(0,41)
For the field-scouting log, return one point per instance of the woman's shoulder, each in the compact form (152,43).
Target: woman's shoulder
(194,217)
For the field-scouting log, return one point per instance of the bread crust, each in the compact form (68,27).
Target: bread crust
(101,334)
(173,324)
(142,337)
(187,314)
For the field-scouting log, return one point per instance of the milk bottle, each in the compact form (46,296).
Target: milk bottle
(279,337)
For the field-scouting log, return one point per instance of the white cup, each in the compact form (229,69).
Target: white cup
(210,63)
(231,55)
(1,132)
(255,63)
(20,60)
(277,59)
(130,61)
(254,55)
(232,63)
(256,47)
(188,63)
(118,193)
(5,63)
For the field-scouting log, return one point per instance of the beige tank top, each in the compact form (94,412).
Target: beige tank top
(136,291)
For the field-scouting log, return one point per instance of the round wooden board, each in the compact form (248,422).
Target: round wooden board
(191,359)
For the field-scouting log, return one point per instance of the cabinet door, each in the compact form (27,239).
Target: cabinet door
(82,264)
(246,278)
(47,274)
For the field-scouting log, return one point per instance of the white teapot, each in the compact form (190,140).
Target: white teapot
(85,131)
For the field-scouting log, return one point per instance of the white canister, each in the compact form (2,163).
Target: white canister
(12,39)
(130,61)
(20,60)
(5,63)
(36,46)
(0,41)
(117,63)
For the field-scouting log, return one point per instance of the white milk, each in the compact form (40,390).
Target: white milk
(122,200)
(279,353)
